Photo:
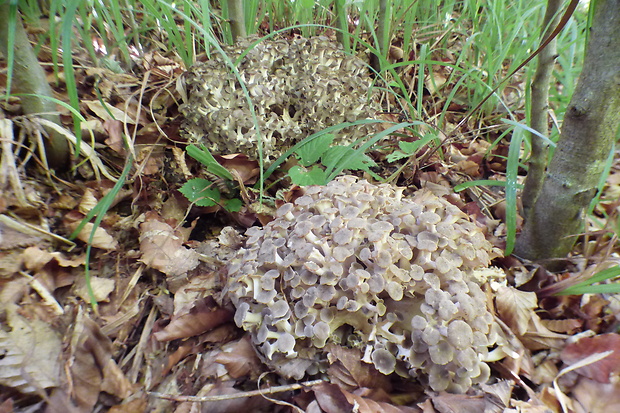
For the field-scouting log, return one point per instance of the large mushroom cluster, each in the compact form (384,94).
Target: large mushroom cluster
(297,86)
(362,265)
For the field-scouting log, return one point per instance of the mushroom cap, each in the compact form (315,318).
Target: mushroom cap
(362,263)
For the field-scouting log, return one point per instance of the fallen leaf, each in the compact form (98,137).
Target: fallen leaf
(515,308)
(594,397)
(240,359)
(28,353)
(603,371)
(101,287)
(204,316)
(162,248)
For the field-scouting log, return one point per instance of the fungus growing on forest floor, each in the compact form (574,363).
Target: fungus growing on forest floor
(361,265)
(298,87)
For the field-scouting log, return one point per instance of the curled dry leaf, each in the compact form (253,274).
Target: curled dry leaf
(100,238)
(332,398)
(347,369)
(35,258)
(603,371)
(204,316)
(162,248)
(240,359)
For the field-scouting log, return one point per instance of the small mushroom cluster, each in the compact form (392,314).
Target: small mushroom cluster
(362,265)
(297,86)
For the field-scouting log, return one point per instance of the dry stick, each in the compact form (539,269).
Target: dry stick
(240,395)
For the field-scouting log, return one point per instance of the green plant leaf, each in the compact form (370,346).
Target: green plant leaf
(410,148)
(310,153)
(201,192)
(303,177)
(233,205)
(347,158)
(203,156)
(586,287)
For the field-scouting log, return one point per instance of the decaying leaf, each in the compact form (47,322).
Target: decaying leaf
(515,308)
(332,398)
(603,371)
(29,350)
(204,316)
(101,287)
(347,369)
(162,248)
(239,358)
(594,397)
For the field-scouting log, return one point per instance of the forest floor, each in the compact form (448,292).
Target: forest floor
(156,335)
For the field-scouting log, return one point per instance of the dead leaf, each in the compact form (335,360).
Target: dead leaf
(101,287)
(333,399)
(347,369)
(240,359)
(100,239)
(204,316)
(603,371)
(162,248)
(594,397)
(29,351)
(515,308)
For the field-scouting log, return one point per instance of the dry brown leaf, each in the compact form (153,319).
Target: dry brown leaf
(539,337)
(29,351)
(90,352)
(101,287)
(347,369)
(204,316)
(240,359)
(462,403)
(568,326)
(333,399)
(515,308)
(162,248)
(594,397)
(114,129)
(603,371)
(133,406)
(241,404)
(101,238)
(35,258)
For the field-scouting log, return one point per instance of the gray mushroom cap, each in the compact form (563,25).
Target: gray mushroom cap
(369,266)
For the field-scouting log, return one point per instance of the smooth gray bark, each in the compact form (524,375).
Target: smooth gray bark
(590,127)
(236,17)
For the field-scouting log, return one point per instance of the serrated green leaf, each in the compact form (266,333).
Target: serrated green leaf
(201,192)
(396,155)
(203,156)
(347,157)
(310,153)
(303,177)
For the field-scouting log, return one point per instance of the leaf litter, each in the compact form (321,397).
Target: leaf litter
(160,337)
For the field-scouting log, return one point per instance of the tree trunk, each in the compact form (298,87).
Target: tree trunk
(28,77)
(590,127)
(236,16)
(539,111)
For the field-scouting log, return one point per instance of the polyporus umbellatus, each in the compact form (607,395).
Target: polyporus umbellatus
(298,87)
(362,265)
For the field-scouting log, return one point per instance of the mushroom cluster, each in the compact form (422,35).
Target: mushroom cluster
(297,87)
(362,265)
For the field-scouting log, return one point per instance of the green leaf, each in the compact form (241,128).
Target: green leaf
(233,205)
(203,156)
(201,192)
(347,158)
(586,287)
(310,153)
(410,148)
(303,177)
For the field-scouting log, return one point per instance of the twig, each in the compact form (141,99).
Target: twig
(240,395)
